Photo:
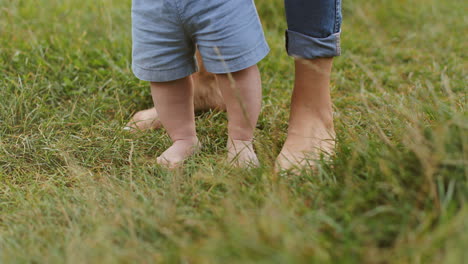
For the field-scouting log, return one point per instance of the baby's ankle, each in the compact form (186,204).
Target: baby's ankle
(189,139)
(240,142)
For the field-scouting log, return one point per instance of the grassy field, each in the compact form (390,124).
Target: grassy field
(74,188)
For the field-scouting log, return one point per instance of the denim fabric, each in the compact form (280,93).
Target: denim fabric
(165,33)
(314,28)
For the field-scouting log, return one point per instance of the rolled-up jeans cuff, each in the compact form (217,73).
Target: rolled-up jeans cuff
(303,46)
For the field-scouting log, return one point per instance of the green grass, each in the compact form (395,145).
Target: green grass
(75,188)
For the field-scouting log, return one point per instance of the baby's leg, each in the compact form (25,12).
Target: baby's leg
(174,103)
(206,96)
(242,92)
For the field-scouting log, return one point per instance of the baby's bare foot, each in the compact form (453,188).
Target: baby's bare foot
(180,150)
(300,152)
(144,120)
(241,154)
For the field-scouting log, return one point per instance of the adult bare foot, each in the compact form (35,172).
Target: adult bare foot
(241,154)
(302,152)
(144,120)
(180,151)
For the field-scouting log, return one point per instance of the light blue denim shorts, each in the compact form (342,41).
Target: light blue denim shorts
(166,33)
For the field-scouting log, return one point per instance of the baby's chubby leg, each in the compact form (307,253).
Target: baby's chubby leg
(174,103)
(242,93)
(206,96)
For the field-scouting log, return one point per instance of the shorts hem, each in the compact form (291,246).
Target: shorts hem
(299,45)
(151,75)
(243,62)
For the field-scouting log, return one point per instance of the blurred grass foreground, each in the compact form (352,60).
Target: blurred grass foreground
(74,188)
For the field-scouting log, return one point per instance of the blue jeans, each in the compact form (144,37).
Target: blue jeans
(314,28)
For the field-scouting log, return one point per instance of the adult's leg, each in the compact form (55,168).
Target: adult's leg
(311,130)
(174,104)
(242,92)
(313,39)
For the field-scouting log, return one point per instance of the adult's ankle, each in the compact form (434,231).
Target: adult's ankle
(311,126)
